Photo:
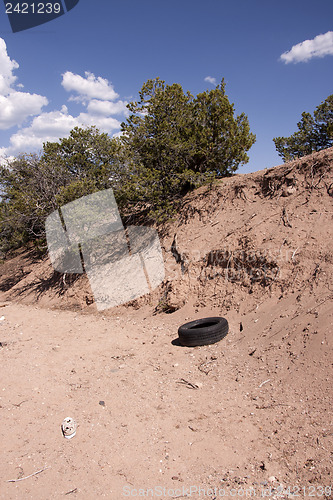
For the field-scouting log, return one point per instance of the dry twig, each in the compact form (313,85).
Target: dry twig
(26,477)
(271,406)
(294,253)
(71,491)
(19,404)
(265,382)
(188,384)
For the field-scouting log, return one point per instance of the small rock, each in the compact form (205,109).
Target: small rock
(272,479)
(288,191)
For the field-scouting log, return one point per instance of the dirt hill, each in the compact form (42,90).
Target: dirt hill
(252,411)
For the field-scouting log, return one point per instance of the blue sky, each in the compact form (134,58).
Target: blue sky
(82,68)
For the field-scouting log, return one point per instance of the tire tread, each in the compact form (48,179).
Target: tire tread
(191,336)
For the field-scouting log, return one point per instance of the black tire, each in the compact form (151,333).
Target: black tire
(203,331)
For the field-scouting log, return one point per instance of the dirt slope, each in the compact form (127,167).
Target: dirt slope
(257,412)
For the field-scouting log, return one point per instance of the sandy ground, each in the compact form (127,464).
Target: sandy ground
(251,413)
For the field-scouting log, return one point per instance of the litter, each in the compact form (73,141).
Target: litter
(68,428)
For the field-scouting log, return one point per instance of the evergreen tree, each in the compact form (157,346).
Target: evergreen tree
(221,139)
(178,142)
(314,133)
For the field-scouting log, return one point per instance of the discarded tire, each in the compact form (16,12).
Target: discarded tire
(203,331)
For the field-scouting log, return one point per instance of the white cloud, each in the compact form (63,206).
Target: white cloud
(210,79)
(45,127)
(54,125)
(104,123)
(320,46)
(95,94)
(91,87)
(107,108)
(7,66)
(15,106)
